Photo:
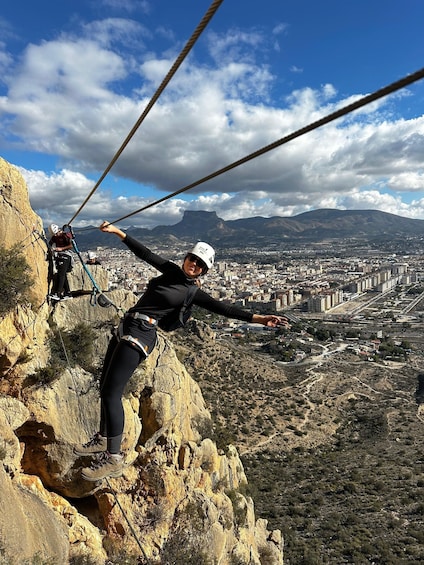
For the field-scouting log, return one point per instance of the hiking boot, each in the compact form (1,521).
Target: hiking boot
(96,444)
(107,465)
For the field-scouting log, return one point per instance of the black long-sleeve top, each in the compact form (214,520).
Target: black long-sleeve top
(165,294)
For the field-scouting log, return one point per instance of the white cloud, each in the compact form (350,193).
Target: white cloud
(234,45)
(129,6)
(116,31)
(407,182)
(66,97)
(280,29)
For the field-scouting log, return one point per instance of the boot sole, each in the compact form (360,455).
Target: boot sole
(86,454)
(114,475)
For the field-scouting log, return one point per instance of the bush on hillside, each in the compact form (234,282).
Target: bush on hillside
(15,279)
(67,348)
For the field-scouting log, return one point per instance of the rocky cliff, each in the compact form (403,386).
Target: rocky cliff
(180,499)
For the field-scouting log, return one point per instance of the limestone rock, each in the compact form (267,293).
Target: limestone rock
(80,281)
(23,334)
(13,414)
(28,526)
(20,225)
(179,497)
(22,331)
(85,540)
(63,414)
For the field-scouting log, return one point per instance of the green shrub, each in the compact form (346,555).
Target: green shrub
(204,426)
(74,346)
(15,279)
(67,348)
(46,375)
(83,560)
(222,436)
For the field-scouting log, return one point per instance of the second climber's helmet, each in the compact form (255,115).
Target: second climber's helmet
(53,229)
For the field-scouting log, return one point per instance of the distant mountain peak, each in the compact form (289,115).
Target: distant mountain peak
(189,214)
(312,226)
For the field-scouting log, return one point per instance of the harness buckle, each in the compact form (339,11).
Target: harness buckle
(139,316)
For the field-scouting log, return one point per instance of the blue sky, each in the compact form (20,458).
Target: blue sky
(75,77)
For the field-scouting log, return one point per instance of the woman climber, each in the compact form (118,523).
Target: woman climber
(160,306)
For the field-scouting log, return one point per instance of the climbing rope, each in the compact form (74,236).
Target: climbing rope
(187,48)
(97,295)
(27,237)
(128,521)
(414,77)
(38,237)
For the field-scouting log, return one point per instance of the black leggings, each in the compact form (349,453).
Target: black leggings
(60,280)
(121,360)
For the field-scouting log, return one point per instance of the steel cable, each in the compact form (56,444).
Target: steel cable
(187,48)
(128,521)
(414,77)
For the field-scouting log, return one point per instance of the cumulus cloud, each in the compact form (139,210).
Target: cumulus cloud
(407,182)
(77,97)
(129,6)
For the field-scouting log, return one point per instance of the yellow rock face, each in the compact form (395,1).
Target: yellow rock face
(20,225)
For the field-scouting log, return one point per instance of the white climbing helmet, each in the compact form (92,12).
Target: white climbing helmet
(205,252)
(53,229)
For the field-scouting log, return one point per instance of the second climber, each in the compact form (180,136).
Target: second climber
(60,250)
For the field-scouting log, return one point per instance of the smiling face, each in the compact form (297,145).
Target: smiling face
(193,267)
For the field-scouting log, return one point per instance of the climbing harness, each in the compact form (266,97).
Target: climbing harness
(136,342)
(120,336)
(139,316)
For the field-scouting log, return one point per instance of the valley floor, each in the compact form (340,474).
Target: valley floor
(332,448)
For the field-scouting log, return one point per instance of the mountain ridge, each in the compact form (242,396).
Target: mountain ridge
(313,226)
